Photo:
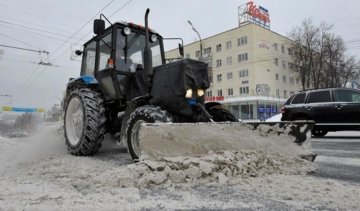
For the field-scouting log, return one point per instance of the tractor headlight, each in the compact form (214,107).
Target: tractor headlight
(188,93)
(200,92)
(126,31)
(153,38)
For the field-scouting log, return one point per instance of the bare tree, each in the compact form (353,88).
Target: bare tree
(320,56)
(350,71)
(27,122)
(335,61)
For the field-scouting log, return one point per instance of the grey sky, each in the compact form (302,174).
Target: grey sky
(46,24)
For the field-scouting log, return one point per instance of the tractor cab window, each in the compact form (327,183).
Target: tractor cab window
(88,62)
(130,51)
(104,51)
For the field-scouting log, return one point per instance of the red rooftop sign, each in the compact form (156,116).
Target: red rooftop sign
(259,14)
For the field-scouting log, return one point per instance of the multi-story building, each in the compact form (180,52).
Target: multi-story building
(250,69)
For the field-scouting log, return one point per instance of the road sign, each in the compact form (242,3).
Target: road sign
(18,109)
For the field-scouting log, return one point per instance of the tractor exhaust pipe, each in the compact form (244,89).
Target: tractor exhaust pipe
(147,52)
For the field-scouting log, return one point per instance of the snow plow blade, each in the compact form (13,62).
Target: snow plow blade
(159,140)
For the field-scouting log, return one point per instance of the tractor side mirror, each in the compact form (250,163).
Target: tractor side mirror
(99,26)
(181,50)
(78,52)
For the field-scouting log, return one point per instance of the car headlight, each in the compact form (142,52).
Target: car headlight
(188,93)
(200,92)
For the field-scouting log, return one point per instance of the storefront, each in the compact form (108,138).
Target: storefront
(253,107)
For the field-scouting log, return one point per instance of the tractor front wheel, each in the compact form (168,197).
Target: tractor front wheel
(84,121)
(144,114)
(220,114)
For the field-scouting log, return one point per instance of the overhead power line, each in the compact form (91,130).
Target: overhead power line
(33,77)
(33,29)
(77,31)
(83,37)
(20,41)
(25,49)
(31,14)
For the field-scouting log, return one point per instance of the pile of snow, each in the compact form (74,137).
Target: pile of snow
(220,167)
(275,118)
(38,174)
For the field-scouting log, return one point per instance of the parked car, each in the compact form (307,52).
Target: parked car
(18,134)
(332,109)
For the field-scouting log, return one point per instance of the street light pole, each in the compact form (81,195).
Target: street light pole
(193,28)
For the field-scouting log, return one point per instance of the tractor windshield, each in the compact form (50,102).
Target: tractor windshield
(130,51)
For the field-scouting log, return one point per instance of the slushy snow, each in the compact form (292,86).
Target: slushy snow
(37,173)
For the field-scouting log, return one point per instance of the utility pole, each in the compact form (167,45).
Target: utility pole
(193,28)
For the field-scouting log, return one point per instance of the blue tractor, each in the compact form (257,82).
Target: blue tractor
(125,81)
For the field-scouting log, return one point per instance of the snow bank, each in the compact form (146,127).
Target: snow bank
(219,167)
(39,174)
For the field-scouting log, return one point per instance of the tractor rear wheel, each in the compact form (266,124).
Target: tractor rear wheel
(144,114)
(84,121)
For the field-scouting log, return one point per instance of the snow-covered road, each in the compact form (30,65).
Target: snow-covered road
(37,173)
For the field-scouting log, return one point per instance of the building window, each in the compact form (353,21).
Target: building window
(275,46)
(276,76)
(219,77)
(229,76)
(228,44)
(242,41)
(284,64)
(218,63)
(291,80)
(297,81)
(197,54)
(188,55)
(207,50)
(276,61)
(208,93)
(230,92)
(218,48)
(277,92)
(242,57)
(292,92)
(244,90)
(284,79)
(229,60)
(290,51)
(291,66)
(243,73)
(219,92)
(285,96)
(282,49)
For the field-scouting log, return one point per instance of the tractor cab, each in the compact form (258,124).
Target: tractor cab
(115,57)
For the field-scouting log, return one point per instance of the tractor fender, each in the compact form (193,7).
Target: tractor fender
(82,81)
(86,80)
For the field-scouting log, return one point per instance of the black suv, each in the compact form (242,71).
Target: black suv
(332,109)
